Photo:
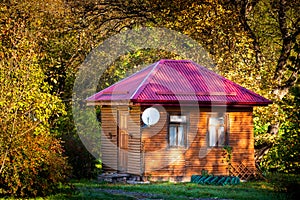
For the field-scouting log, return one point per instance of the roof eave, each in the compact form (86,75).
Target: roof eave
(201,103)
(175,103)
(109,103)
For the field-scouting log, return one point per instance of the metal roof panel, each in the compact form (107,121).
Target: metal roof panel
(179,81)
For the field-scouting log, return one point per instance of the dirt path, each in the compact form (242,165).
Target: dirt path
(145,196)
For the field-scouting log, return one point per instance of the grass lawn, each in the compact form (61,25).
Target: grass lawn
(92,190)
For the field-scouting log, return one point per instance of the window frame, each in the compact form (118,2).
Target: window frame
(226,130)
(177,125)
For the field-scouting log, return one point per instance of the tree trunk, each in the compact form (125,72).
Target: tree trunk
(263,149)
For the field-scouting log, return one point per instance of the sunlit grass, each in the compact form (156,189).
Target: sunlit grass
(86,189)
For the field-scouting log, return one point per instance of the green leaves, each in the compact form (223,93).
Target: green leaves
(31,160)
(284,155)
(42,46)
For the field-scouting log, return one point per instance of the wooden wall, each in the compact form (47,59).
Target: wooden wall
(109,138)
(134,141)
(162,161)
(150,155)
(242,138)
(199,156)
(109,129)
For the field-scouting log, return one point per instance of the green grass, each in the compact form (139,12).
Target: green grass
(92,190)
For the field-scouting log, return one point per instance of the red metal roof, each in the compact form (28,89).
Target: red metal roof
(178,82)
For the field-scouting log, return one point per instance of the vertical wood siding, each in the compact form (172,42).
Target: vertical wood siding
(134,141)
(150,155)
(242,138)
(160,160)
(109,138)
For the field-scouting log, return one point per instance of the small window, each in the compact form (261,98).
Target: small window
(177,130)
(217,130)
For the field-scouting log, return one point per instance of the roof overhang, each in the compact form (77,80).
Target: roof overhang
(108,103)
(176,103)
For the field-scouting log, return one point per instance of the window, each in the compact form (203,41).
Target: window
(177,130)
(217,130)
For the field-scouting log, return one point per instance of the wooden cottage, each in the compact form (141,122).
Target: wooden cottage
(173,119)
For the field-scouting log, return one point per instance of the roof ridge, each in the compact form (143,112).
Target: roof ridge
(140,88)
(127,77)
(173,60)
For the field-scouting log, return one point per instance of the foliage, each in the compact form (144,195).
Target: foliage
(64,48)
(253,42)
(33,166)
(274,27)
(31,158)
(131,63)
(287,183)
(227,156)
(284,155)
(81,160)
(55,48)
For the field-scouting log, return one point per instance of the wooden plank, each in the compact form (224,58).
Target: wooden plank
(155,139)
(241,135)
(134,142)
(109,138)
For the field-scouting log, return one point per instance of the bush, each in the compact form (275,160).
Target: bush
(81,160)
(35,167)
(287,183)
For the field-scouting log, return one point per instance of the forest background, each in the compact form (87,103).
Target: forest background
(254,43)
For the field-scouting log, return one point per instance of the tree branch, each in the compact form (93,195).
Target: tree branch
(245,8)
(288,43)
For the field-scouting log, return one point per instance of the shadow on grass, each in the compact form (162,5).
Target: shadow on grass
(86,193)
(92,190)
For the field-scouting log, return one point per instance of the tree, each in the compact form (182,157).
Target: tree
(31,157)
(274,26)
(283,155)
(59,47)
(253,42)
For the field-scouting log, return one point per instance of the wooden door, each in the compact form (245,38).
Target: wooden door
(123,142)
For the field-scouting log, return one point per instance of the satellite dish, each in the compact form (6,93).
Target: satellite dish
(150,116)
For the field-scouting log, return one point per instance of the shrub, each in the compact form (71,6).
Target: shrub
(287,183)
(34,167)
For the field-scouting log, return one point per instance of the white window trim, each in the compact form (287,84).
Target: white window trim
(178,120)
(225,126)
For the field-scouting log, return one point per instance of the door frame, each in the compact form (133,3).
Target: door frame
(122,141)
